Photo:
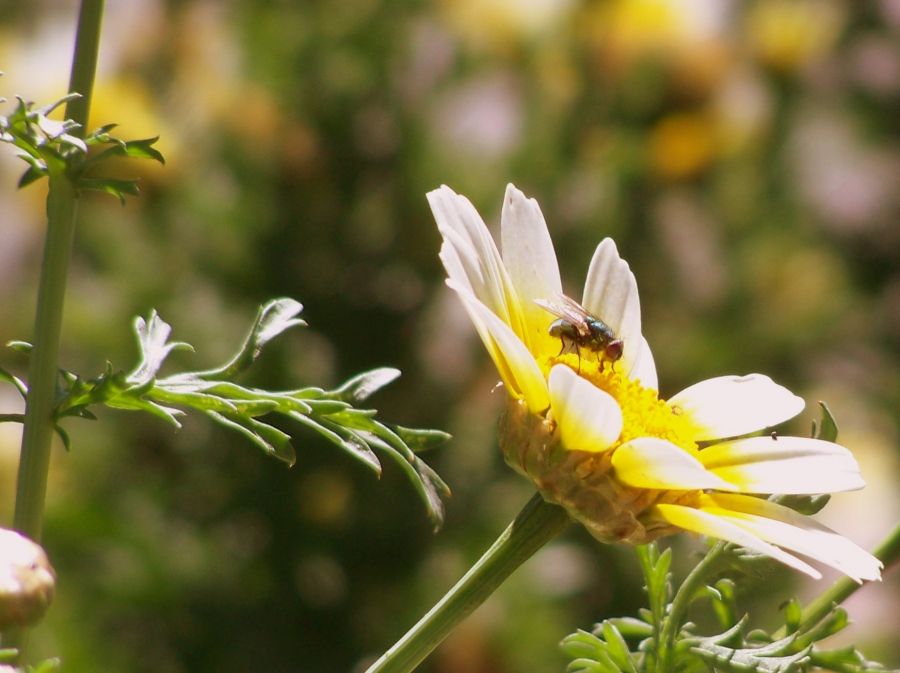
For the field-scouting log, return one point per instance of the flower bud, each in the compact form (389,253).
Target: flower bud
(26,581)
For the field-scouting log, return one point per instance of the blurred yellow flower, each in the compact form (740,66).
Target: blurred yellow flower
(588,427)
(788,34)
(688,36)
(500,24)
(682,145)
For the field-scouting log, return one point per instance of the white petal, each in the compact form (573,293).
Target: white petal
(712,525)
(517,367)
(648,462)
(783,526)
(797,465)
(611,294)
(531,262)
(728,406)
(589,419)
(470,255)
(644,368)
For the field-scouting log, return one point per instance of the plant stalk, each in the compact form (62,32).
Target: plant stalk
(680,604)
(887,552)
(537,523)
(62,208)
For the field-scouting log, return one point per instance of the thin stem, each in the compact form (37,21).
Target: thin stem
(680,604)
(84,62)
(536,524)
(887,552)
(62,207)
(35,460)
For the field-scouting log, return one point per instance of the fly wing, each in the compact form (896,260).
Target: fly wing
(570,310)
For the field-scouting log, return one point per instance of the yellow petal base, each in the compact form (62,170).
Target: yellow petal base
(581,481)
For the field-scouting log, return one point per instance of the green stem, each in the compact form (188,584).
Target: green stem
(62,207)
(887,552)
(35,459)
(680,604)
(536,524)
(84,62)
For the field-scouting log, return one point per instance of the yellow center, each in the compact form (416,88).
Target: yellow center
(644,414)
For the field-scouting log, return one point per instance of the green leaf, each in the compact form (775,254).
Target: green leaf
(20,346)
(827,430)
(618,649)
(846,659)
(153,342)
(353,446)
(127,403)
(326,407)
(728,660)
(31,174)
(113,186)
(725,603)
(18,383)
(64,436)
(630,627)
(269,438)
(273,318)
(793,615)
(46,666)
(362,386)
(420,440)
(590,653)
(804,504)
(137,149)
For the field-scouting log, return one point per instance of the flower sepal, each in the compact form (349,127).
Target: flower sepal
(579,481)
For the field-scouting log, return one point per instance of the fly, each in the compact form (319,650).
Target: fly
(575,326)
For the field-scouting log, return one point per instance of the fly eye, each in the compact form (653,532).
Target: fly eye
(614,349)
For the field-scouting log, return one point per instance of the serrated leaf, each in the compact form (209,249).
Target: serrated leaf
(352,446)
(44,110)
(126,403)
(153,342)
(269,438)
(273,318)
(434,489)
(100,135)
(113,186)
(420,440)
(136,149)
(142,149)
(281,402)
(428,484)
(767,659)
(362,386)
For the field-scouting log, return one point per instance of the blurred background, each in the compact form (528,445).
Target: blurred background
(744,155)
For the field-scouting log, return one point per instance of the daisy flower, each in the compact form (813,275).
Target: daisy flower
(587,424)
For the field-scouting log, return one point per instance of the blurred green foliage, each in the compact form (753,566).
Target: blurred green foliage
(744,156)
